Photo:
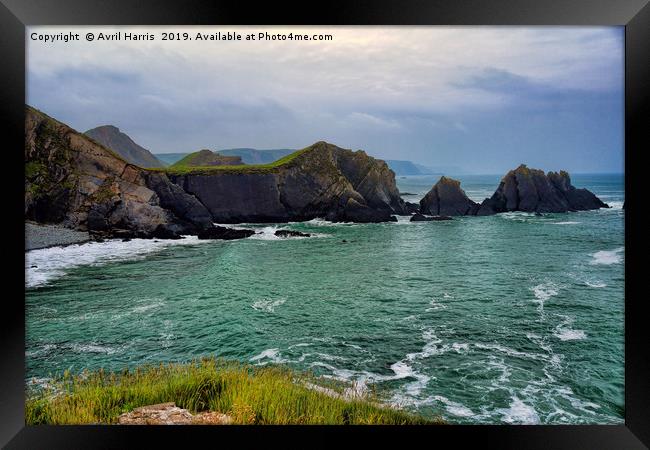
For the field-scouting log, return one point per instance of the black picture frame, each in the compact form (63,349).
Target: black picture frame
(633,14)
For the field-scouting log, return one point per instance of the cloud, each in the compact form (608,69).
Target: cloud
(387,89)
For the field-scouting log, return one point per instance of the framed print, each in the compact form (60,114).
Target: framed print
(382,221)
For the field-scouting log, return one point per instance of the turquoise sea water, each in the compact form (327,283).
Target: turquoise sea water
(512,318)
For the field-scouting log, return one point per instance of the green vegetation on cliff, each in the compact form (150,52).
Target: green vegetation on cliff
(205,158)
(182,167)
(249,394)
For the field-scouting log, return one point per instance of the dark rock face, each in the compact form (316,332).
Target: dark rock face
(417,217)
(447,198)
(73,181)
(291,233)
(531,190)
(183,205)
(411,208)
(224,233)
(322,181)
(166,231)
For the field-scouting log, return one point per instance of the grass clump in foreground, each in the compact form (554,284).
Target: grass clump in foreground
(249,394)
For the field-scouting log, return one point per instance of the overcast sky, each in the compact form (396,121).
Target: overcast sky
(482,98)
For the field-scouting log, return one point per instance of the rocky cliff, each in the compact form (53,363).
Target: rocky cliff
(322,180)
(72,180)
(446,198)
(111,137)
(531,190)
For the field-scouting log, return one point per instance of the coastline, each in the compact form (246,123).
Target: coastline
(39,236)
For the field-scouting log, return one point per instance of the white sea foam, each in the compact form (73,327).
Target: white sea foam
(519,413)
(454,408)
(76,347)
(46,264)
(543,292)
(613,205)
(570,335)
(327,223)
(500,365)
(301,344)
(269,355)
(595,284)
(268,305)
(404,220)
(93,348)
(144,308)
(568,222)
(517,216)
(512,352)
(607,257)
(435,303)
(41,350)
(564,332)
(266,234)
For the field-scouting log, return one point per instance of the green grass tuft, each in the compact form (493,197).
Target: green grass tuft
(249,394)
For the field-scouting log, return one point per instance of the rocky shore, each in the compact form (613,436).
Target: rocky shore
(44,236)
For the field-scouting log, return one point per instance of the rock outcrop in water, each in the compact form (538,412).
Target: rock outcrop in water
(290,233)
(111,137)
(521,189)
(417,217)
(448,199)
(225,233)
(530,190)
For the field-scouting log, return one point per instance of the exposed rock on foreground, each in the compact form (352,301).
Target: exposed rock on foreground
(170,414)
(521,189)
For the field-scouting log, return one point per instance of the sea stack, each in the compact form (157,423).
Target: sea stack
(530,190)
(446,198)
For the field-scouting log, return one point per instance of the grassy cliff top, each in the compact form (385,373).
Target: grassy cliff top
(204,158)
(248,394)
(182,167)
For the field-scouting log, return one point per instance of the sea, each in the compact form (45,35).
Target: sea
(507,319)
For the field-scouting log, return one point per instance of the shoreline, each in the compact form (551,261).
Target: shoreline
(39,236)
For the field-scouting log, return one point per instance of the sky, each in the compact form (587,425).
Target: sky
(484,99)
